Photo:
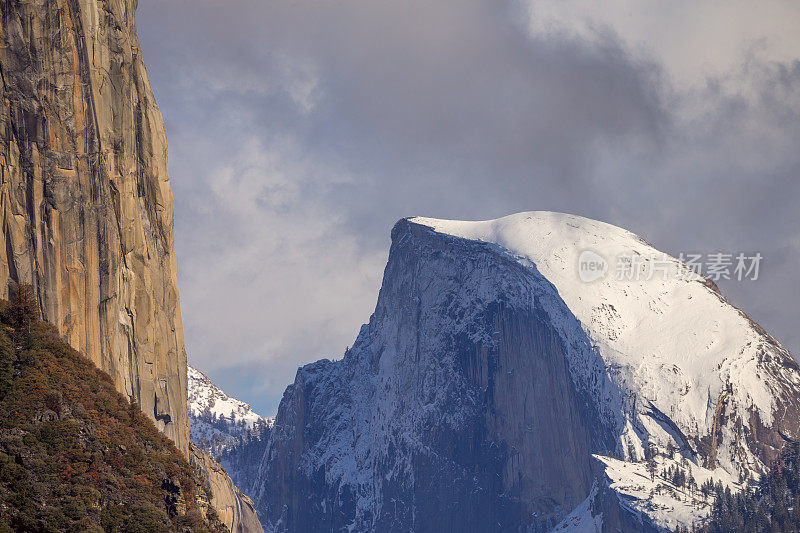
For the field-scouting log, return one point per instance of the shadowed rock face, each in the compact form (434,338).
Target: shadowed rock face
(453,411)
(86,204)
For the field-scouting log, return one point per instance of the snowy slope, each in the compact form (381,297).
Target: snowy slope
(667,504)
(216,419)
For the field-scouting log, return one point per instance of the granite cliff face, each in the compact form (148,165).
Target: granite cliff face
(492,390)
(234,509)
(86,203)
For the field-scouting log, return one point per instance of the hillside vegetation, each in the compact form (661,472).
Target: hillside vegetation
(75,455)
(773,505)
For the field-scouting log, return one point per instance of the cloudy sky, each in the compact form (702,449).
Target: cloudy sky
(300,131)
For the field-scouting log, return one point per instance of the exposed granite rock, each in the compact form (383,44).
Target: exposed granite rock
(234,508)
(86,203)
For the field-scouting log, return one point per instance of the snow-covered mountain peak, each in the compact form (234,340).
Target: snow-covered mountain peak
(671,338)
(498,385)
(216,419)
(206,397)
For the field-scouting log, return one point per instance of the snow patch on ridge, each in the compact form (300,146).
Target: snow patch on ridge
(667,505)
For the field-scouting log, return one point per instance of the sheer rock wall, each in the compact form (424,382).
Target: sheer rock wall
(85,197)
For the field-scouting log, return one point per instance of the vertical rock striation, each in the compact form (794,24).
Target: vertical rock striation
(86,203)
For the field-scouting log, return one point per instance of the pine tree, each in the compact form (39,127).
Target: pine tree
(650,456)
(23,311)
(773,505)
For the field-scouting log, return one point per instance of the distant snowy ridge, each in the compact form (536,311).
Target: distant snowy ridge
(216,419)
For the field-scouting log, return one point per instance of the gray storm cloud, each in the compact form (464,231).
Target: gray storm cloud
(301,131)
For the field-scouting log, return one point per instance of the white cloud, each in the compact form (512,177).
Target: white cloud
(284,278)
(693,40)
(301,131)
